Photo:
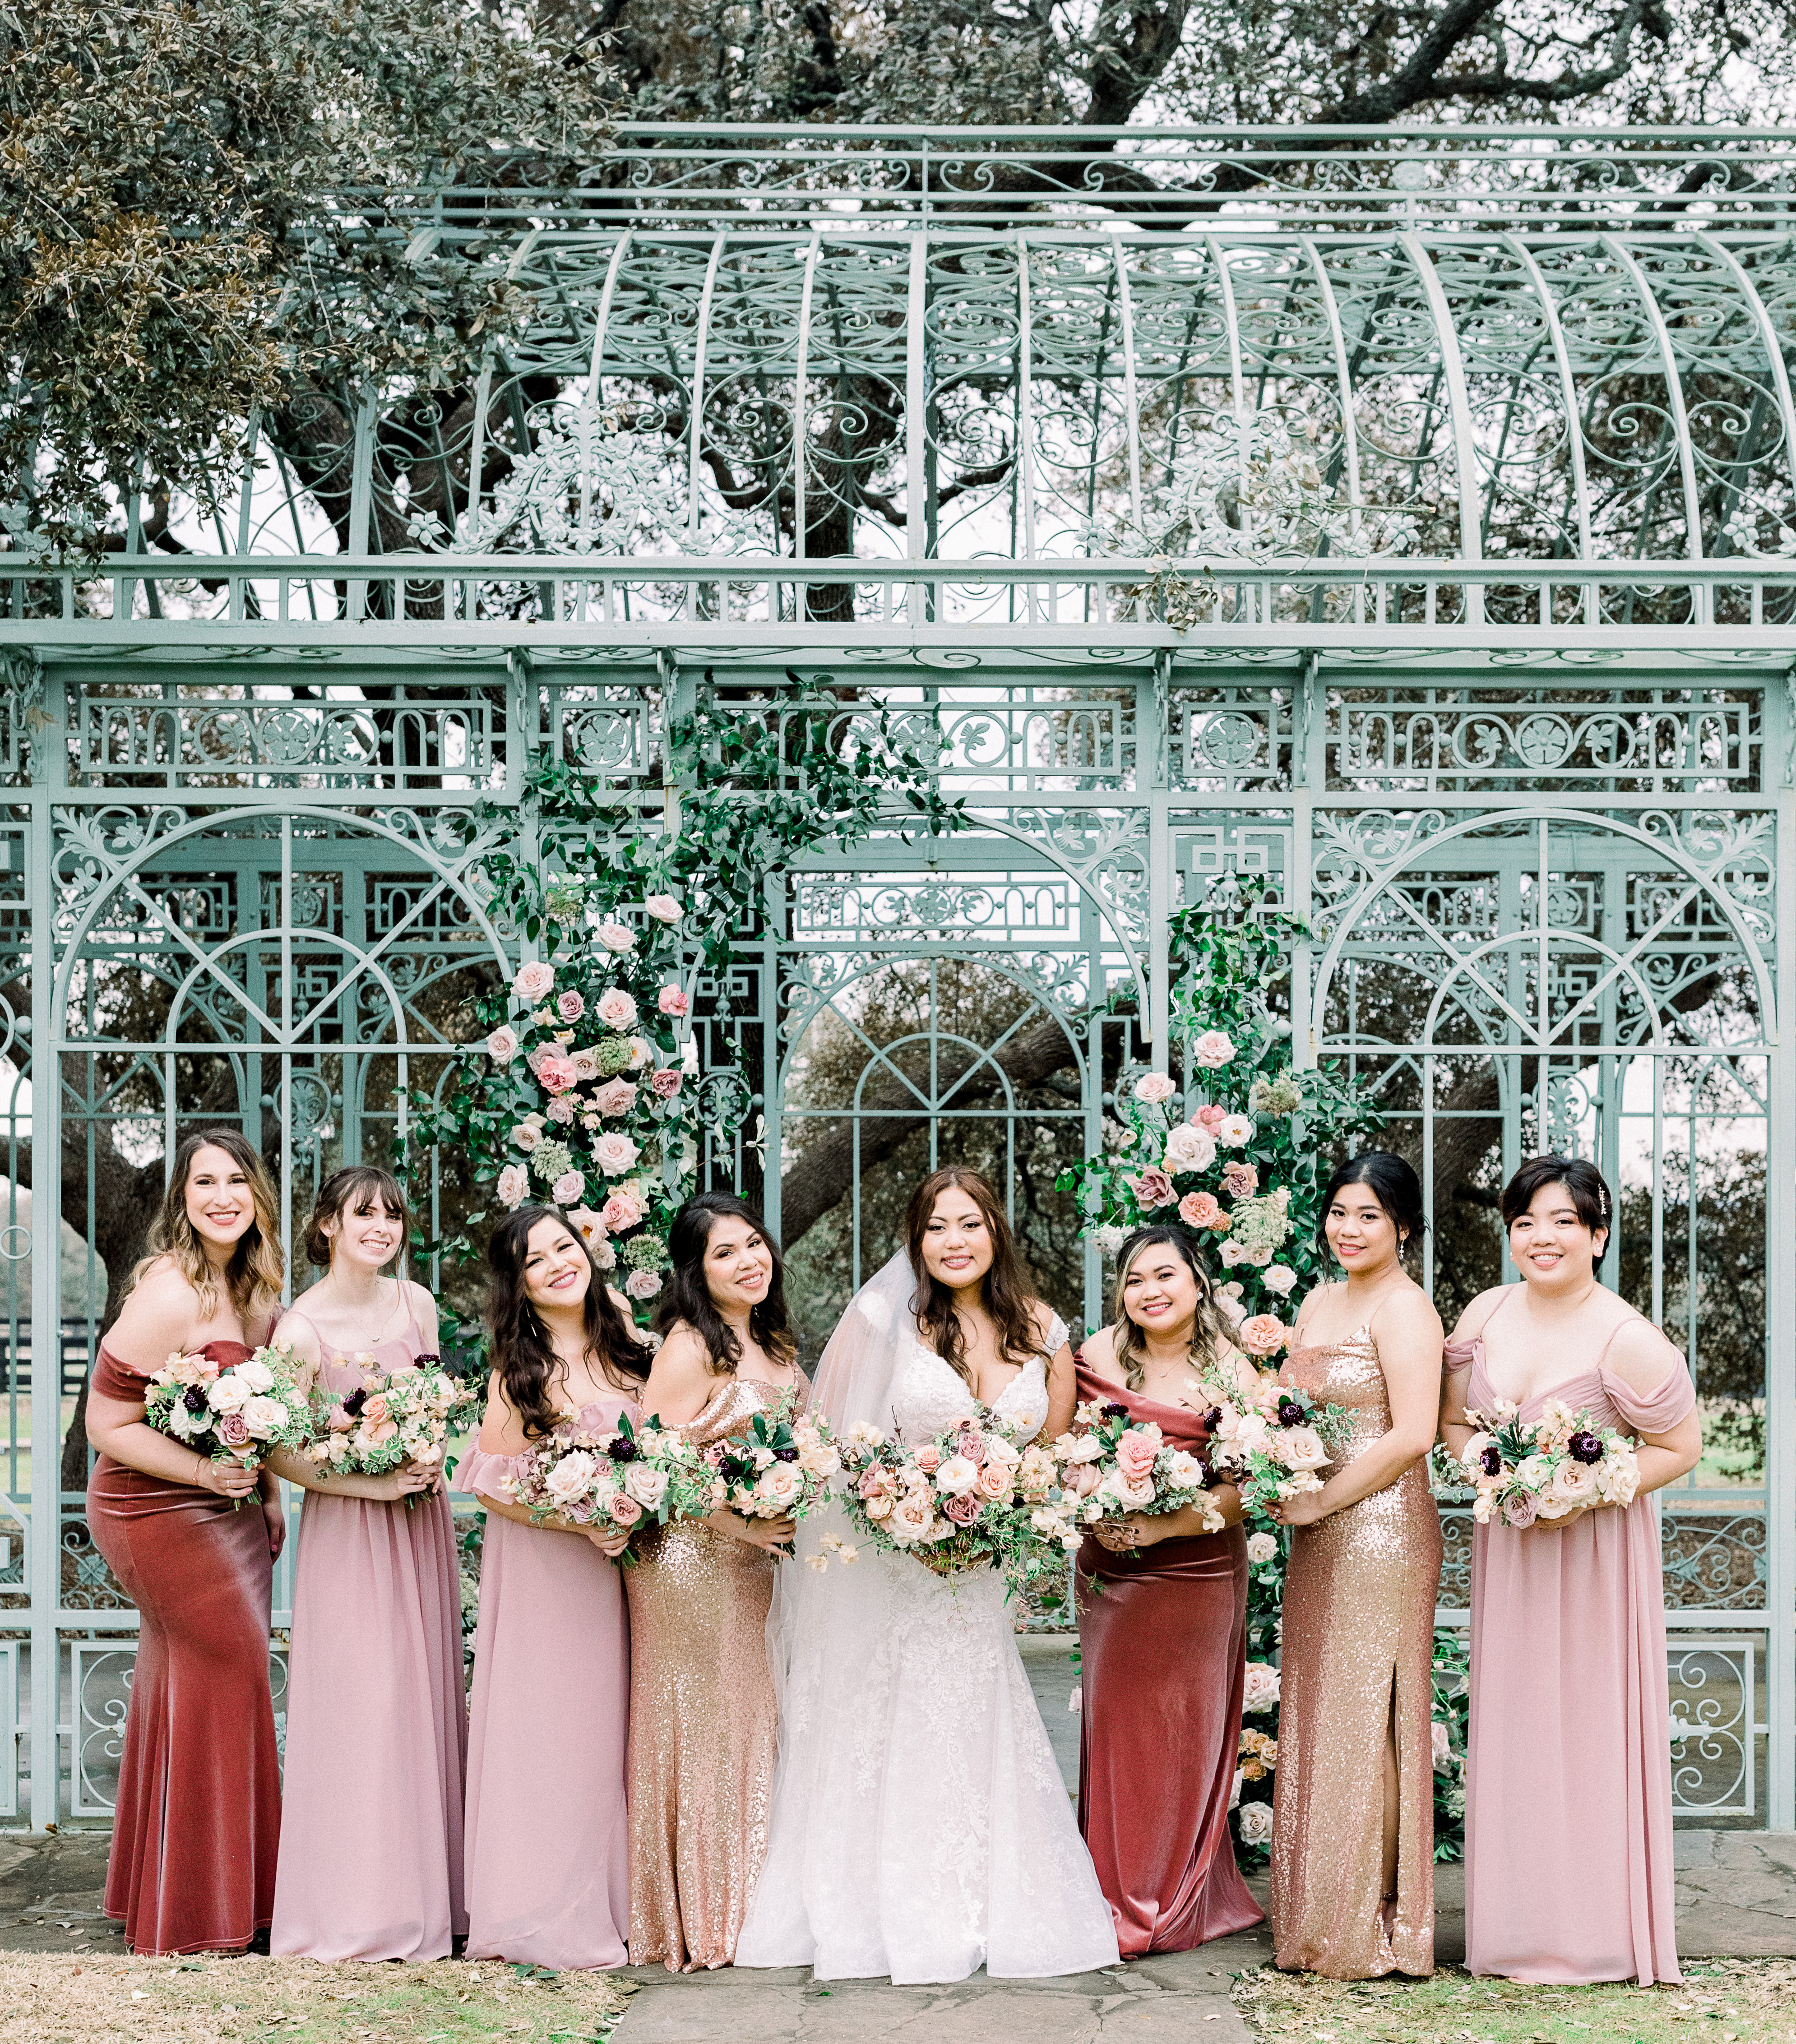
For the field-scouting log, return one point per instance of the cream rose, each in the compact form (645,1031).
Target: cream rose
(1300,1448)
(229,1394)
(533,980)
(264,1416)
(913,1517)
(956,1476)
(257,1376)
(647,1486)
(1154,1088)
(571,1477)
(782,1485)
(614,1153)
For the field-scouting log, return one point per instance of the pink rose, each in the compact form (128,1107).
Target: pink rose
(1153,1189)
(665,1083)
(664,907)
(874,1482)
(615,1096)
(339,1422)
(972,1446)
(1138,1450)
(1264,1335)
(375,1408)
(1154,1087)
(962,1510)
(624,1509)
(568,1187)
(526,1135)
(643,1284)
(585,1064)
(556,1075)
(1240,1181)
(587,1225)
(615,1009)
(929,1459)
(617,937)
(1083,1478)
(994,1481)
(563,1109)
(1199,1210)
(533,980)
(570,1006)
(614,1153)
(501,1046)
(232,1431)
(1518,1511)
(1211,1118)
(622,1211)
(514,1182)
(673,1001)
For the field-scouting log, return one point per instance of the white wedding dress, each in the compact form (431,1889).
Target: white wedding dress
(920,1826)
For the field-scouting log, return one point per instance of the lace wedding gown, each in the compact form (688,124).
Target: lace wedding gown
(921,1827)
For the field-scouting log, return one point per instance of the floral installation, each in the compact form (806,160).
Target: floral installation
(230,1413)
(390,1418)
(782,1468)
(629,1477)
(1273,1446)
(1111,1466)
(1548,1468)
(971,1498)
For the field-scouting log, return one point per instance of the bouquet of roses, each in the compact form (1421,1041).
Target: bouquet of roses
(1111,1466)
(969,1499)
(624,1478)
(230,1413)
(391,1418)
(781,1470)
(1545,1468)
(1271,1446)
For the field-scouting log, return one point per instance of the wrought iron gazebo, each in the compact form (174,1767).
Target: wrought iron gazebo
(1407,519)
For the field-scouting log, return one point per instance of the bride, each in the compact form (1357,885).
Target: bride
(919,1827)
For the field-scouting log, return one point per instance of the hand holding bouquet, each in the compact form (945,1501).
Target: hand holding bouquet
(235,1412)
(969,1499)
(391,1419)
(1545,1469)
(781,1469)
(1112,1468)
(600,1483)
(1271,1445)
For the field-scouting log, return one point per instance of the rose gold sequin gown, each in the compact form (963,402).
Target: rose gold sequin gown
(703,1721)
(1359,1629)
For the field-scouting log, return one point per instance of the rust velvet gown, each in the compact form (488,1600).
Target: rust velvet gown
(1162,1653)
(198,1819)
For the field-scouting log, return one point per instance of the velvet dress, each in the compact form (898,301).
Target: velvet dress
(1163,1656)
(198,1817)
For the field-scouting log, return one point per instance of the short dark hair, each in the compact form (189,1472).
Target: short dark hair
(1394,1186)
(1585,1186)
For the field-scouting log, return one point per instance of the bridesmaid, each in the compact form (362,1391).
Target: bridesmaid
(1353,1810)
(376,1723)
(192,1866)
(701,1699)
(549,1858)
(1161,1631)
(1569,1704)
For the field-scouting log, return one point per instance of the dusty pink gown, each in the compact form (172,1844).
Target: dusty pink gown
(370,1861)
(1568,1792)
(548,1848)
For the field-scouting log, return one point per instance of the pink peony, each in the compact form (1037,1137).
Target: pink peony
(1264,1335)
(673,1001)
(233,1431)
(615,1096)
(533,980)
(1153,1189)
(622,1211)
(643,1284)
(1199,1210)
(570,1187)
(624,1509)
(1240,1181)
(514,1182)
(614,1153)
(962,1510)
(1154,1087)
(1211,1118)
(557,1075)
(664,907)
(501,1046)
(615,1009)
(570,1006)
(666,1082)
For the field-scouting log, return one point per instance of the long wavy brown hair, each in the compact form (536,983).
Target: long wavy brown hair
(257,1269)
(521,1350)
(688,1300)
(1004,1292)
(1206,1331)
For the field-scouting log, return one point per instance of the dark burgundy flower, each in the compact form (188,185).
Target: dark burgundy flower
(354,1402)
(428,1361)
(1116,1411)
(1491,1458)
(194,1399)
(1584,1447)
(785,1454)
(1291,1413)
(622,1450)
(1212,1418)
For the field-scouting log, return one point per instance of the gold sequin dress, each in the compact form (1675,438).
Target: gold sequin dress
(703,1721)
(1359,1628)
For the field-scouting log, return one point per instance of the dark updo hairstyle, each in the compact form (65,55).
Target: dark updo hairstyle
(1005,1291)
(1205,1330)
(353,1190)
(522,1353)
(1394,1186)
(1584,1187)
(688,1300)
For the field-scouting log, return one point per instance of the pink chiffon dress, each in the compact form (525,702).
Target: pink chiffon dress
(549,1849)
(370,1858)
(1568,1794)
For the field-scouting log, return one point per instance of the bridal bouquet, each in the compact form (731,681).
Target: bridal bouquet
(971,1498)
(781,1469)
(624,1478)
(1271,1446)
(1111,1466)
(390,1418)
(1545,1468)
(231,1412)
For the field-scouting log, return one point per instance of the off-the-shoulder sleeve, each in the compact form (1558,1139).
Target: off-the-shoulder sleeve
(1671,1399)
(1459,1355)
(113,1379)
(481,1473)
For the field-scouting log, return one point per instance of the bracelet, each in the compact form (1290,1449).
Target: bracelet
(199,1470)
